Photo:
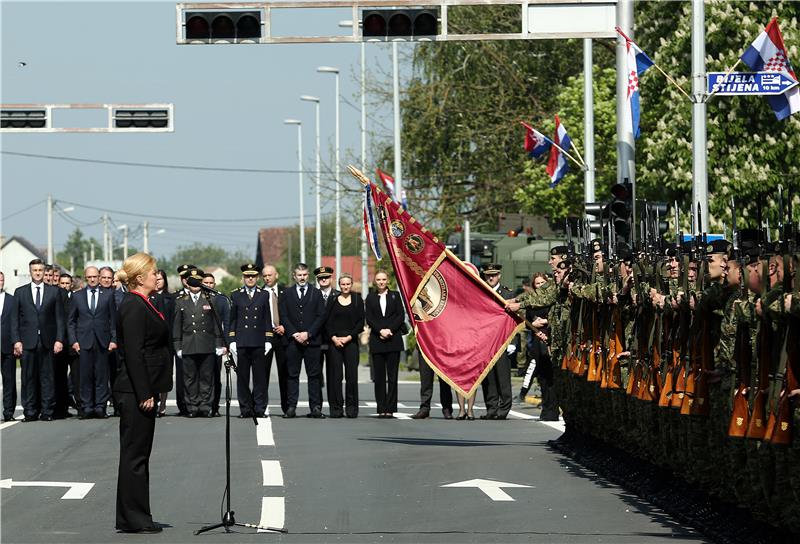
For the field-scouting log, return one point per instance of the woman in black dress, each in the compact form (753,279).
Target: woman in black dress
(164,301)
(143,373)
(344,322)
(385,317)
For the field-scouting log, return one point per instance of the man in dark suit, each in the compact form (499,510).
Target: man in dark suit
(324,275)
(302,313)
(63,362)
(41,333)
(250,334)
(222,304)
(180,400)
(8,331)
(278,352)
(93,335)
(497,383)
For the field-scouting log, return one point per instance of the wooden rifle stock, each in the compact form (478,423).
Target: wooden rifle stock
(743,356)
(758,411)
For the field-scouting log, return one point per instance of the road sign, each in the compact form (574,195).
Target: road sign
(490,487)
(77,490)
(749,83)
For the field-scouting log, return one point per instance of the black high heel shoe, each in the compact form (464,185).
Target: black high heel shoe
(461,417)
(470,417)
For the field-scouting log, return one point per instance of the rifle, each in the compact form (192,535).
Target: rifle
(758,410)
(742,352)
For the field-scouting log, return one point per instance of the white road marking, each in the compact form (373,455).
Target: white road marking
(77,490)
(520,415)
(491,488)
(271,469)
(8,424)
(557,425)
(264,435)
(272,513)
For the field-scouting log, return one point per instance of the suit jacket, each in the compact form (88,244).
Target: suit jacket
(46,322)
(326,337)
(251,321)
(92,329)
(194,330)
(276,339)
(144,361)
(223,307)
(302,315)
(9,327)
(393,320)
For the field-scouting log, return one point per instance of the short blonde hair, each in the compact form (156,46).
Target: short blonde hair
(345,275)
(135,265)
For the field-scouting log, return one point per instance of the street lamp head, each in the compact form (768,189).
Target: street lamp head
(161,231)
(328,70)
(346,24)
(309,98)
(292,122)
(122,227)
(68,209)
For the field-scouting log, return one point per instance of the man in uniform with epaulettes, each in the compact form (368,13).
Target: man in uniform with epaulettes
(496,384)
(180,399)
(324,276)
(250,335)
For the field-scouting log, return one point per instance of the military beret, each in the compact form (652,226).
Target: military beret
(491,268)
(183,270)
(249,269)
(751,237)
(194,273)
(323,272)
(751,255)
(597,245)
(624,252)
(718,246)
(670,250)
(559,250)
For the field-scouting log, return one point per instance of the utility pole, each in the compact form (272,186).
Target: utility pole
(49,229)
(699,169)
(106,237)
(588,120)
(398,163)
(467,242)
(146,237)
(91,251)
(626,149)
(124,229)
(364,251)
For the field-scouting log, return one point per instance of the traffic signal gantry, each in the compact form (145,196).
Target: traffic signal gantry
(119,117)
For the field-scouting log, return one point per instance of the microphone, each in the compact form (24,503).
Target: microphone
(194,281)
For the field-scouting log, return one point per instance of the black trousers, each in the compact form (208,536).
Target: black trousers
(296,355)
(38,390)
(93,364)
(255,401)
(497,388)
(9,372)
(136,429)
(278,355)
(198,381)
(61,383)
(74,380)
(217,383)
(112,377)
(426,375)
(343,363)
(180,397)
(324,358)
(386,367)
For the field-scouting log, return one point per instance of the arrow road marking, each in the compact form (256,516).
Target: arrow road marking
(77,490)
(490,487)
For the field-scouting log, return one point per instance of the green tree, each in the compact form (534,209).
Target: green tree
(75,249)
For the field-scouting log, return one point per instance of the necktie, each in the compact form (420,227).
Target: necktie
(195,297)
(250,293)
(302,291)
(325,296)
(38,297)
(274,300)
(93,302)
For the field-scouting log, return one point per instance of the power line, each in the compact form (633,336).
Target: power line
(9,216)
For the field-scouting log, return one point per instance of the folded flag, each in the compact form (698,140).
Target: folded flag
(768,54)
(369,225)
(536,144)
(637,63)
(389,185)
(557,165)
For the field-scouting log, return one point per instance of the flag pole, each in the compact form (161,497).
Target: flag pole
(666,75)
(724,79)
(526,125)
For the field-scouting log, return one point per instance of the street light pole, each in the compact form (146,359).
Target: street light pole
(124,229)
(318,234)
(337,190)
(398,163)
(299,125)
(49,229)
(364,253)
(146,237)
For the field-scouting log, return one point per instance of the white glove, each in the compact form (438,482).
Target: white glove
(179,354)
(232,348)
(267,347)
(511,349)
(218,352)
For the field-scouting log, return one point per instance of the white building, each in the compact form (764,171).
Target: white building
(15,254)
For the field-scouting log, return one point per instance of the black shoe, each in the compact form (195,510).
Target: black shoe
(290,413)
(336,414)
(261,414)
(351,416)
(244,416)
(100,414)
(500,417)
(28,419)
(8,418)
(490,415)
(448,414)
(144,530)
(216,413)
(461,417)
(46,418)
(85,415)
(316,413)
(422,414)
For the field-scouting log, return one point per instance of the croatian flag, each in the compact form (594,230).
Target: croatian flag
(389,185)
(369,222)
(557,165)
(768,54)
(536,144)
(637,63)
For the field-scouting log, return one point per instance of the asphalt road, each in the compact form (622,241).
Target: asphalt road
(345,480)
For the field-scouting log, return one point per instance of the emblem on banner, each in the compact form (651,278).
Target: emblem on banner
(414,243)
(397,228)
(432,298)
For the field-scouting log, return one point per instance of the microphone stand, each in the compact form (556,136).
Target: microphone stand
(228,519)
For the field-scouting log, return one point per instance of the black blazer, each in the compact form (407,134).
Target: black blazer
(251,321)
(356,306)
(87,328)
(276,339)
(144,360)
(393,320)
(302,315)
(9,327)
(47,322)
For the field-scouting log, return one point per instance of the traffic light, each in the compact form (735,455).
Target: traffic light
(600,211)
(141,118)
(656,212)
(19,118)
(223,26)
(621,208)
(418,23)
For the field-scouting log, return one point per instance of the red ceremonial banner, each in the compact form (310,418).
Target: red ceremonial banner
(461,324)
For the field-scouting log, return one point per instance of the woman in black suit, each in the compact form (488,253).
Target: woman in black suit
(164,301)
(385,317)
(343,323)
(143,373)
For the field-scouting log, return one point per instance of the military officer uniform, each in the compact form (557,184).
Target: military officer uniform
(180,399)
(497,383)
(328,295)
(197,341)
(250,334)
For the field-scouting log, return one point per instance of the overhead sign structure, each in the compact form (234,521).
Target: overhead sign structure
(77,490)
(390,21)
(119,117)
(749,83)
(491,488)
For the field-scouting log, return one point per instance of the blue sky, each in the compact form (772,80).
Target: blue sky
(230,103)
